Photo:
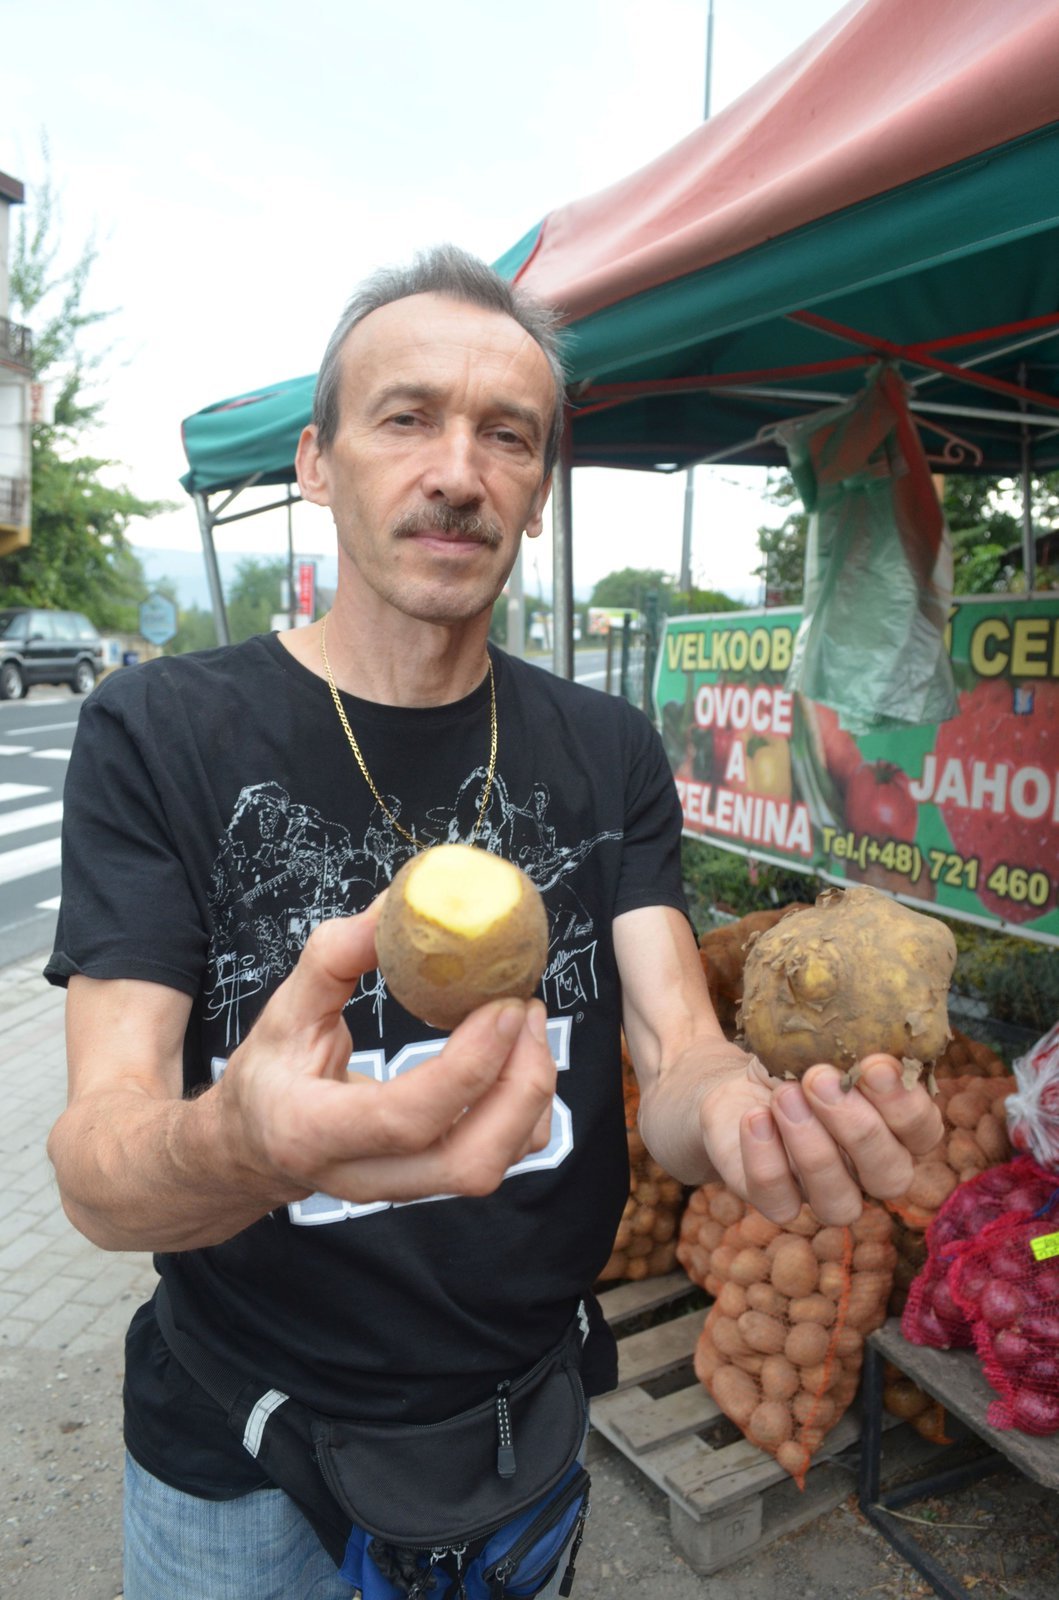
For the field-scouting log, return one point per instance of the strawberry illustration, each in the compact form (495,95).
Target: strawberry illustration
(1010,726)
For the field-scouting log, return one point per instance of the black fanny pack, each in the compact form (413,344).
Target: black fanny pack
(479,1506)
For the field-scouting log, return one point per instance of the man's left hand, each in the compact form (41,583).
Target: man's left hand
(779,1143)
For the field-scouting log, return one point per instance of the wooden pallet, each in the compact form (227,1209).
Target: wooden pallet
(727,1498)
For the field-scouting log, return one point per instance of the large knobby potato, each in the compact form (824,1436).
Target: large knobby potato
(460,926)
(856,973)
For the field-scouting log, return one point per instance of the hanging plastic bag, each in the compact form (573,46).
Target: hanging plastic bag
(1033,1111)
(878,565)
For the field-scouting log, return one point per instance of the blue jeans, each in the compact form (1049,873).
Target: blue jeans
(259,1547)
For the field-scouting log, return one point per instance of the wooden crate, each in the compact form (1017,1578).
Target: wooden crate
(727,1498)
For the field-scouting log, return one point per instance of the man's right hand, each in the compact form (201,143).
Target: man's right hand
(452,1125)
(140,1167)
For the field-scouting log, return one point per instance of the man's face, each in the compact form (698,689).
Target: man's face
(436,467)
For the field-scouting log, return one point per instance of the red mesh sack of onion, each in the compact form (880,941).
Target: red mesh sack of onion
(1006,1283)
(1033,1110)
(1016,1190)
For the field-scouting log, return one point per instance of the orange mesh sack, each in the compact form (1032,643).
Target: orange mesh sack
(782,1346)
(645,1245)
(975,1139)
(722,952)
(965,1058)
(905,1399)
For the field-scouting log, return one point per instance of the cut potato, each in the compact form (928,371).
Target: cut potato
(460,926)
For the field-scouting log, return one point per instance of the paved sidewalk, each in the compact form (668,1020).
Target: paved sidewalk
(57,1291)
(64,1309)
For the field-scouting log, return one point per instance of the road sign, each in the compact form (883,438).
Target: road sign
(307,590)
(158,619)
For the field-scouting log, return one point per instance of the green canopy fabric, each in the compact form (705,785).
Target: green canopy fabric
(890,190)
(251,437)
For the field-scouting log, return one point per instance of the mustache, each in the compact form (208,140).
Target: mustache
(449,519)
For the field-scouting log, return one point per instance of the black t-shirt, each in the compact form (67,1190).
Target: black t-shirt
(214,814)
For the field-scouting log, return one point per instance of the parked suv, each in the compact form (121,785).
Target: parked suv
(47,647)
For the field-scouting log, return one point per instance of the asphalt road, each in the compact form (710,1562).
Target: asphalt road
(36,735)
(35,739)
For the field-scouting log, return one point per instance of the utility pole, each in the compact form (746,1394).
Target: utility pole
(689,480)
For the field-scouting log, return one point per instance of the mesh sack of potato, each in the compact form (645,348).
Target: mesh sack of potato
(975,1138)
(964,1057)
(782,1346)
(905,1399)
(932,1316)
(722,951)
(708,1214)
(645,1245)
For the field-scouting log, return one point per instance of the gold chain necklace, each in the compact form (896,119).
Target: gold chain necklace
(361,763)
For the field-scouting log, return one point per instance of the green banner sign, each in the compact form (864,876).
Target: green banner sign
(963,814)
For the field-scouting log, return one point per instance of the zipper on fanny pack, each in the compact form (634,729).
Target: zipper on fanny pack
(501,1571)
(505,1442)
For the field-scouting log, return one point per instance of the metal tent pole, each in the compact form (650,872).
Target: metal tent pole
(516,608)
(689,517)
(689,478)
(213,574)
(562,558)
(291,594)
(1029,544)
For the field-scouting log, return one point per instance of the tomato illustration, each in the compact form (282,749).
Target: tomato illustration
(841,756)
(879,802)
(723,740)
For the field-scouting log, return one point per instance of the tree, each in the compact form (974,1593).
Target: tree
(628,589)
(695,602)
(196,628)
(981,532)
(79,556)
(783,569)
(255,596)
(983,528)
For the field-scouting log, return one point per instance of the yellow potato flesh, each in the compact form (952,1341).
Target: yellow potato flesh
(460,926)
(467,891)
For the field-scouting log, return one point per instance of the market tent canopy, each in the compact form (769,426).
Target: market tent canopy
(890,190)
(253,436)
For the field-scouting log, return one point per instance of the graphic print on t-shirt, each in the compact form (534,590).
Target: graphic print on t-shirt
(281,868)
(324,1208)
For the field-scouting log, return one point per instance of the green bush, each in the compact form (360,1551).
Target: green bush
(720,884)
(1017,980)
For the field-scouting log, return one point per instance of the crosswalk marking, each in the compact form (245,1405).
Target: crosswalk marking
(31,858)
(21,791)
(31,817)
(15,749)
(49,905)
(51,755)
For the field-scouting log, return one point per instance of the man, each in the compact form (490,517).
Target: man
(231,819)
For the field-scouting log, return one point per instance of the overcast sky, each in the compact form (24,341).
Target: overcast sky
(242,165)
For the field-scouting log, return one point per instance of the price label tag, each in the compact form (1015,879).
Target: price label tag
(1045,1246)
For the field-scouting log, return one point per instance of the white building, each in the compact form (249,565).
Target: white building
(15,349)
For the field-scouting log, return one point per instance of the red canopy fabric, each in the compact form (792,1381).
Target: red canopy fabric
(886,92)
